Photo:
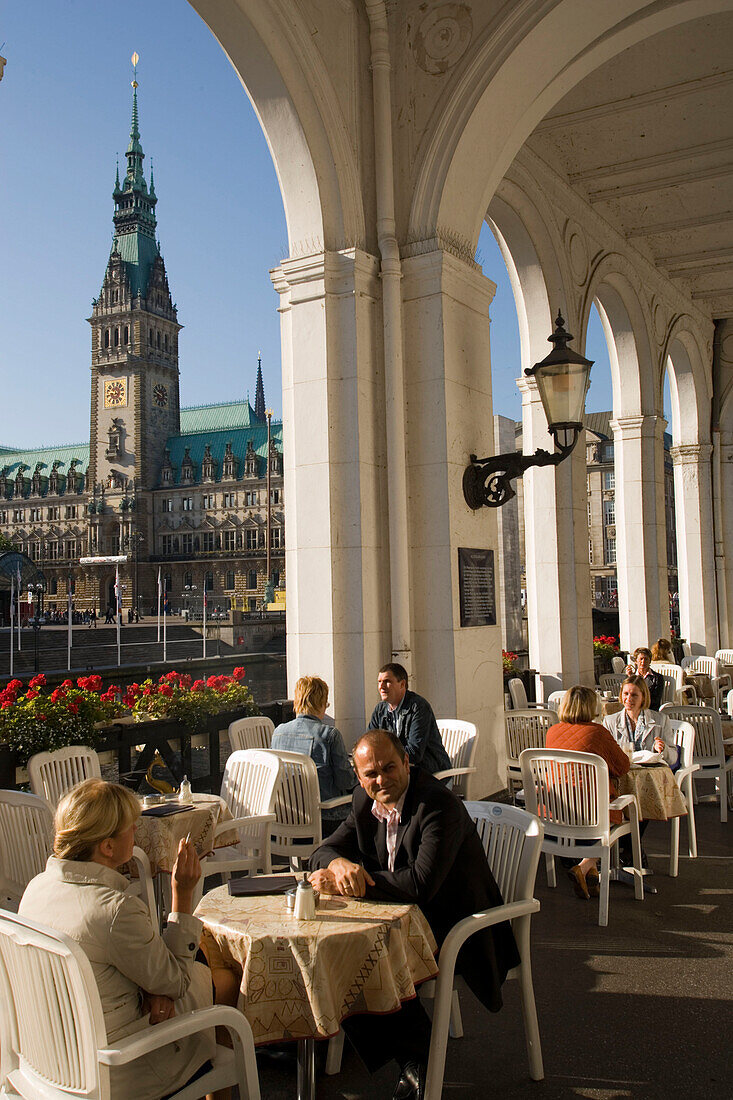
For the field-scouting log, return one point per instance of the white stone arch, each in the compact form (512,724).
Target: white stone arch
(690,385)
(272,51)
(556,549)
(527,66)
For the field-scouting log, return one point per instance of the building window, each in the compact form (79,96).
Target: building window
(106,338)
(52,550)
(610,553)
(35,515)
(187,580)
(167,583)
(18,515)
(609,479)
(251,536)
(609,512)
(250,499)
(208,582)
(34,551)
(117,337)
(229,583)
(252,579)
(276,578)
(208,500)
(229,540)
(165,341)
(54,512)
(607,453)
(150,336)
(70,511)
(187,504)
(53,586)
(3,517)
(71,550)
(276,538)
(167,544)
(166,504)
(187,543)
(274,496)
(207,539)
(158,339)
(126,335)
(228,500)
(590,551)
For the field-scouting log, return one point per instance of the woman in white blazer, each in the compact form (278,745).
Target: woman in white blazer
(636,723)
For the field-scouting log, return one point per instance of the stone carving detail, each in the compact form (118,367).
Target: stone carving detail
(442,38)
(577,252)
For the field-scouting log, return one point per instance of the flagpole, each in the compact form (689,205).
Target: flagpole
(159,592)
(204,630)
(70,630)
(165,635)
(12,610)
(19,645)
(119,614)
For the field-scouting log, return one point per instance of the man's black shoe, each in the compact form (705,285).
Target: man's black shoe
(411,1085)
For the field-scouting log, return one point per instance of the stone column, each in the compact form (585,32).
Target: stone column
(559,610)
(334,478)
(695,547)
(449,415)
(641,537)
(509,566)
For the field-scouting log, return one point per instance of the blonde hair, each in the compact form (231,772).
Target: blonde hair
(310,695)
(578,704)
(640,682)
(90,813)
(662,650)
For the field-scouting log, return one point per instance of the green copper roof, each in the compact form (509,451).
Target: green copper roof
(134,216)
(11,461)
(215,426)
(206,418)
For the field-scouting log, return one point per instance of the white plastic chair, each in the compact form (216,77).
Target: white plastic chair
(675,690)
(729,703)
(297,830)
(512,840)
(53,1040)
(248,787)
(554,699)
(710,666)
(618,664)
(26,839)
(524,729)
(52,774)
(686,649)
(569,793)
(459,741)
(519,696)
(725,656)
(611,681)
(684,737)
(251,733)
(709,748)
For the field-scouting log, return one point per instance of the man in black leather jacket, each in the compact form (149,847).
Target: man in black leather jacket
(411,718)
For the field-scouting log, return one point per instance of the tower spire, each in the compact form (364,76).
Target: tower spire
(259,391)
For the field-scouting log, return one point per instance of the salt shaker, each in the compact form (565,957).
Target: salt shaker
(305,902)
(184,793)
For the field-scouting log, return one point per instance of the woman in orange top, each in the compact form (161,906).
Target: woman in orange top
(577,732)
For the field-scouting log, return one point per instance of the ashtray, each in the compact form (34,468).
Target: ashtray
(152,800)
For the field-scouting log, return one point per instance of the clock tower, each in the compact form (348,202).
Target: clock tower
(134,400)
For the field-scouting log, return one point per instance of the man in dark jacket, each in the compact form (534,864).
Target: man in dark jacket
(409,839)
(411,718)
(641,665)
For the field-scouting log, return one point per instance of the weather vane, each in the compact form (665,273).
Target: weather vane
(135,58)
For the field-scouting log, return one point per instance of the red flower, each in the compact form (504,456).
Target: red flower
(57,694)
(198,685)
(185,681)
(68,684)
(15,684)
(113,690)
(37,681)
(41,717)
(95,683)
(73,708)
(211,682)
(167,690)
(238,673)
(173,677)
(7,703)
(82,683)
(32,694)
(147,691)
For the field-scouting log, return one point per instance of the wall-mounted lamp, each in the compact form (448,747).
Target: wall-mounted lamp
(562,379)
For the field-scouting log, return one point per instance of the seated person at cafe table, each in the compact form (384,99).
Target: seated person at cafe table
(309,733)
(409,839)
(640,725)
(411,718)
(143,977)
(578,732)
(641,665)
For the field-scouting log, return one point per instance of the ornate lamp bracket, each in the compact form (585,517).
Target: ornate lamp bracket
(487,481)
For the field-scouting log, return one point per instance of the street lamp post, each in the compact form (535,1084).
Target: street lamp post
(36,622)
(268,536)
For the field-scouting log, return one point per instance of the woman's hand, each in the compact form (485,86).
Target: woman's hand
(184,876)
(158,1007)
(659,745)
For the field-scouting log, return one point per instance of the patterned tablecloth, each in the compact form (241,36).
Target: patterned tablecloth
(301,978)
(159,836)
(656,791)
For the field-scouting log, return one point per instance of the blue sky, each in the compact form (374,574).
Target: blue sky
(66,102)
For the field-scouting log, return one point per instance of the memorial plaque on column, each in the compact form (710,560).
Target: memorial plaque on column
(476,587)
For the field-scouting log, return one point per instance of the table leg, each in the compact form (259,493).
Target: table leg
(306,1069)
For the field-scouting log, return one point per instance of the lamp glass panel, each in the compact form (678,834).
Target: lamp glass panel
(563,387)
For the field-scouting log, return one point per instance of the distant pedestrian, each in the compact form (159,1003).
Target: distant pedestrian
(93,618)
(110,614)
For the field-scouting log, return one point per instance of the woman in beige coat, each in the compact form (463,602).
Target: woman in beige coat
(143,977)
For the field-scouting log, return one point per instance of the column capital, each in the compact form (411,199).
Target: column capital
(640,424)
(335,272)
(440,271)
(691,454)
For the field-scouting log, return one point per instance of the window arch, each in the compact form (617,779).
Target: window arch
(106,338)
(158,340)
(117,337)
(126,335)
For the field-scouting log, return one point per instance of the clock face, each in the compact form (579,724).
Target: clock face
(115,393)
(160,396)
